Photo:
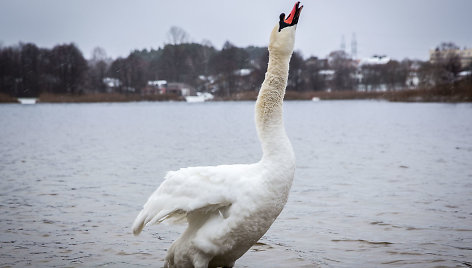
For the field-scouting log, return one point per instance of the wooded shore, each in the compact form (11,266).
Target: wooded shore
(460,92)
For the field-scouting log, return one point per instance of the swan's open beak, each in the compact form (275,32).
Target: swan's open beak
(292,18)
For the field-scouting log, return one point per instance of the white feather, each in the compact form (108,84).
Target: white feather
(190,189)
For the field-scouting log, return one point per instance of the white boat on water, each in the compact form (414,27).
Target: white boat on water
(27,100)
(195,98)
(315,99)
(201,97)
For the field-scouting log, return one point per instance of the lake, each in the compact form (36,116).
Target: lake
(377,183)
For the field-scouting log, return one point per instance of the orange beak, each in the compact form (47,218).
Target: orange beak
(295,14)
(292,18)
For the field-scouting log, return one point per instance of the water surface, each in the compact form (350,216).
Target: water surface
(377,183)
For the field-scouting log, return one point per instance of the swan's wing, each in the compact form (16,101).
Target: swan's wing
(187,190)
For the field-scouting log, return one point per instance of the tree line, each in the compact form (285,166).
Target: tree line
(28,71)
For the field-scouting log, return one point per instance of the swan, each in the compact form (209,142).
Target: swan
(230,207)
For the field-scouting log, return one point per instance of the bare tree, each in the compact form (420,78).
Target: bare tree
(311,74)
(225,64)
(444,46)
(343,67)
(98,54)
(447,62)
(69,66)
(206,43)
(177,35)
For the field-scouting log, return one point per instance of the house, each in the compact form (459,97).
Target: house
(111,83)
(327,74)
(155,87)
(375,60)
(371,69)
(180,89)
(243,72)
(465,55)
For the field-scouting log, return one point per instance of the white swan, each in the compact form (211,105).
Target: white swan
(230,207)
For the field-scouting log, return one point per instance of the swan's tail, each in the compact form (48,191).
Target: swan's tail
(146,216)
(139,223)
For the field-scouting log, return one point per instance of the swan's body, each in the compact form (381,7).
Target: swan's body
(230,207)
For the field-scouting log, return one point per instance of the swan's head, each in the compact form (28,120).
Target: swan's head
(282,38)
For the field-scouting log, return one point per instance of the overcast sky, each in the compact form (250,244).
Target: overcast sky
(397,28)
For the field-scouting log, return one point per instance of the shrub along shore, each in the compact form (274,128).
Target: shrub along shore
(458,92)
(462,92)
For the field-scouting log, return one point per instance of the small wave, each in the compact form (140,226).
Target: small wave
(404,253)
(122,253)
(364,241)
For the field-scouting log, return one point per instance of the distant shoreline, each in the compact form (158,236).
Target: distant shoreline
(459,93)
(438,94)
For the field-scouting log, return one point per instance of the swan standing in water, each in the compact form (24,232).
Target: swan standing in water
(230,207)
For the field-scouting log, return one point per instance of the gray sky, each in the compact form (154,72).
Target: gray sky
(397,28)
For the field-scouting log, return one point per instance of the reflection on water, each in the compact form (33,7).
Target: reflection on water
(376,183)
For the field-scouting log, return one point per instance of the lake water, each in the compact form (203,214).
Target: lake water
(377,183)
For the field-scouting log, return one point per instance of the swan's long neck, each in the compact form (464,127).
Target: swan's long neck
(269,112)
